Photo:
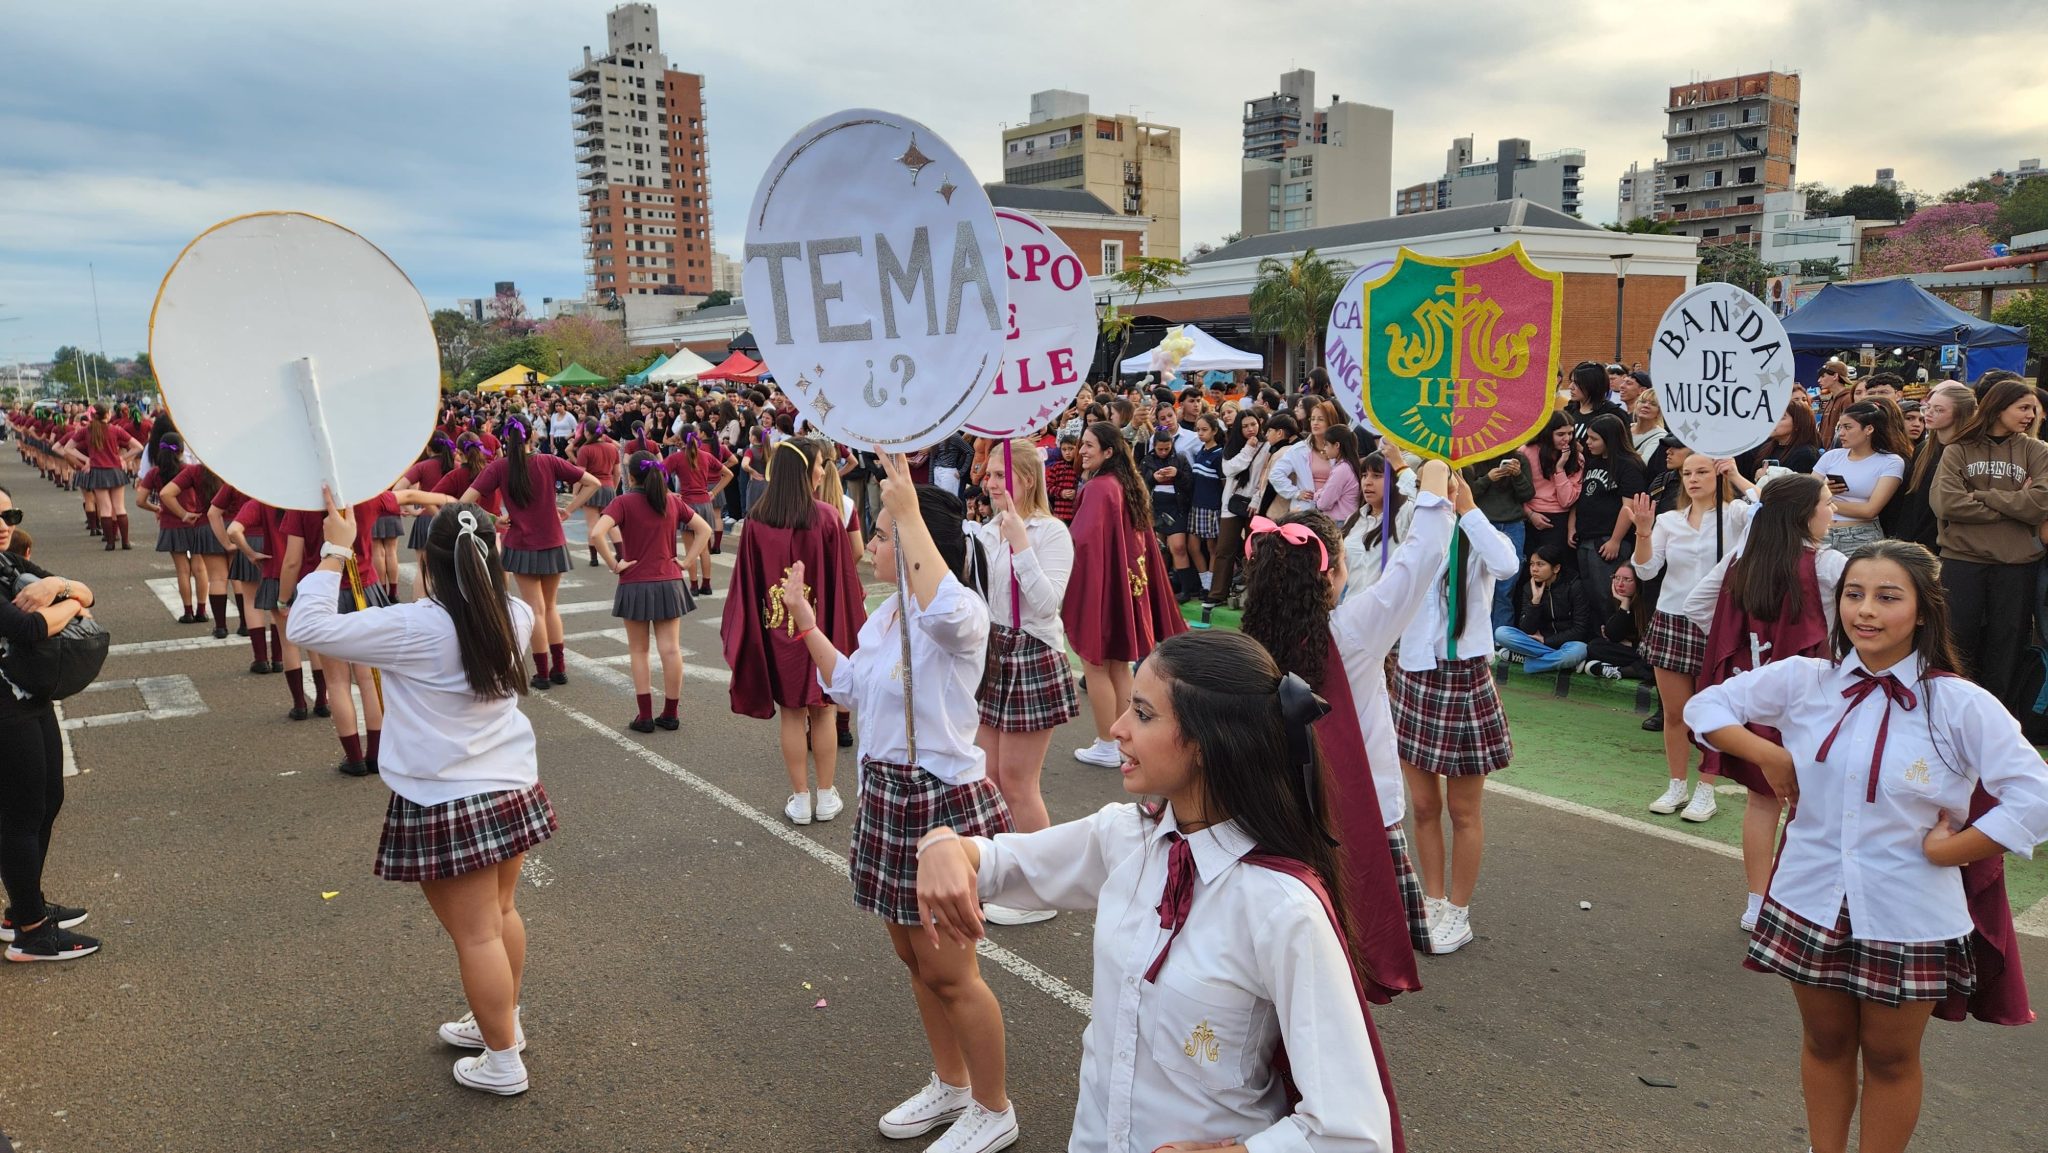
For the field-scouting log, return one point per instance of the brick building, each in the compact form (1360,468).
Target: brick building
(1728,144)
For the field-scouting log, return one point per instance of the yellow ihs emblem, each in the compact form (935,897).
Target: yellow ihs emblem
(1917,774)
(1202,1044)
(773,611)
(1139,581)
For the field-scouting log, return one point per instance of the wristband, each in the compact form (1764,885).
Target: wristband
(337,551)
(807,632)
(930,840)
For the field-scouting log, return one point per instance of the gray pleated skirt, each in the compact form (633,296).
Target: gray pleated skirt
(373,597)
(100,478)
(538,562)
(266,594)
(197,539)
(652,600)
(421,526)
(387,528)
(606,494)
(241,568)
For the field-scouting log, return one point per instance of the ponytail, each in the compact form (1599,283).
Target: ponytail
(651,479)
(442,451)
(518,481)
(466,578)
(471,450)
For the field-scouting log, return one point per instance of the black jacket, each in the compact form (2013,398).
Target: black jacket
(1562,616)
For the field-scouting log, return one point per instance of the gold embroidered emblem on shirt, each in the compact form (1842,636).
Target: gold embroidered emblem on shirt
(1917,774)
(1202,1044)
(774,613)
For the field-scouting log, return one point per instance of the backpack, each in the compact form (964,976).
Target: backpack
(61,665)
(2027,699)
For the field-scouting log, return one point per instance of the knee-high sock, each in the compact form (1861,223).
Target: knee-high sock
(319,686)
(219,603)
(295,680)
(122,523)
(258,645)
(352,747)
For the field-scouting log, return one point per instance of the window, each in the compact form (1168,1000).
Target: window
(1716,149)
(1272,196)
(1742,230)
(1056,139)
(1301,166)
(1112,256)
(1682,180)
(1746,175)
(1677,206)
(1273,220)
(1711,202)
(1683,124)
(1745,201)
(1717,120)
(1710,233)
(1712,179)
(1681,152)
(1297,193)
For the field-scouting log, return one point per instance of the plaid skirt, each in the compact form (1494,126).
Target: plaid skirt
(1205,523)
(538,562)
(1887,972)
(387,528)
(1674,644)
(1411,887)
(421,526)
(1030,689)
(899,804)
(1448,720)
(434,842)
(241,568)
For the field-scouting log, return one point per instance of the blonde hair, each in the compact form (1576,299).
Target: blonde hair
(831,489)
(1027,478)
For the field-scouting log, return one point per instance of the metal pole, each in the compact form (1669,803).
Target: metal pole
(1620,289)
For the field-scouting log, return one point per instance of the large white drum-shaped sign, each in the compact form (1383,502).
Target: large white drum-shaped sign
(874,281)
(1723,370)
(293,352)
(1049,334)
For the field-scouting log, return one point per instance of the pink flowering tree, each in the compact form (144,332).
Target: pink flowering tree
(1936,236)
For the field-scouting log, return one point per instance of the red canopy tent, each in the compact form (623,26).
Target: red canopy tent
(737,367)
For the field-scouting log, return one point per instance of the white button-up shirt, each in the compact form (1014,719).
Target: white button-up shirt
(1362,561)
(1493,560)
(1366,625)
(1828,565)
(1688,552)
(1041,572)
(442,743)
(948,644)
(1842,845)
(1188,1057)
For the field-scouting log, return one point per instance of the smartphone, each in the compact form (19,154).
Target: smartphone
(1770,464)
(1838,478)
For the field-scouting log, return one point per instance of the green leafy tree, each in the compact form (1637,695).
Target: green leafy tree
(1293,298)
(2028,310)
(1641,225)
(1138,276)
(717,297)
(1736,264)
(1978,191)
(81,374)
(2025,210)
(461,340)
(1872,202)
(1820,201)
(1828,269)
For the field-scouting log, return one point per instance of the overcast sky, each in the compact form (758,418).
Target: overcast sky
(440,128)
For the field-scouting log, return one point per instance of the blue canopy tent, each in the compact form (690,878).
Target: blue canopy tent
(1896,314)
(639,379)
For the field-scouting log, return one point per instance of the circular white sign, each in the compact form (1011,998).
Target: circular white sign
(293,352)
(1723,370)
(1050,332)
(874,280)
(1344,343)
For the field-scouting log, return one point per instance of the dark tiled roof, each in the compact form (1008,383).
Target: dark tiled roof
(1499,214)
(1027,199)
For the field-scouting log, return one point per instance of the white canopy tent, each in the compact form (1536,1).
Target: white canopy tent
(1208,354)
(681,368)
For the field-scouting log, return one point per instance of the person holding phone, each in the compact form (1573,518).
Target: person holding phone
(1865,472)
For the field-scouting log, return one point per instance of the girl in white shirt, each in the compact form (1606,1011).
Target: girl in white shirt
(466,801)
(1030,691)
(915,778)
(1687,541)
(1865,472)
(1867,913)
(1220,920)
(1448,720)
(1384,514)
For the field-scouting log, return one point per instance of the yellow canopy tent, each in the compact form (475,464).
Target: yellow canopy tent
(511,378)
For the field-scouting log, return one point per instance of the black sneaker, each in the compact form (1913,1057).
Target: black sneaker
(640,726)
(50,942)
(65,916)
(541,682)
(298,713)
(355,768)
(667,724)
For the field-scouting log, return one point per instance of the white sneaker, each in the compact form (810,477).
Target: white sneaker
(1603,670)
(980,1131)
(798,810)
(506,1079)
(1672,799)
(1102,754)
(1005,915)
(1453,931)
(1433,909)
(932,1106)
(1702,806)
(464,1034)
(829,805)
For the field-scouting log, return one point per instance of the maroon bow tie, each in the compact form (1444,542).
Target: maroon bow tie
(1894,692)
(1174,902)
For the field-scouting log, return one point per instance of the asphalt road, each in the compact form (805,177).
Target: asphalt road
(698,978)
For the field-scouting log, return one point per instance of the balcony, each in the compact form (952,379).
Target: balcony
(1745,239)
(1725,210)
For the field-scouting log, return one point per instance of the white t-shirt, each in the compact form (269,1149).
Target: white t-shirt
(1861,475)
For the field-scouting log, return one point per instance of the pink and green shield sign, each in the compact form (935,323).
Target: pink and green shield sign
(1459,354)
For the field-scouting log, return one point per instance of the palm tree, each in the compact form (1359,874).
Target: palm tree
(1139,276)
(1293,299)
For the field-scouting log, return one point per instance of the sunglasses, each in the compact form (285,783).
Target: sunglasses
(12,516)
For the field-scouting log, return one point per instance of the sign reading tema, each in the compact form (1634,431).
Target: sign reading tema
(1457,354)
(1723,369)
(874,279)
(1049,333)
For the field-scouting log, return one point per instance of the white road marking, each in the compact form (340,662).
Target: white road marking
(606,669)
(64,737)
(162,699)
(774,826)
(1615,819)
(175,645)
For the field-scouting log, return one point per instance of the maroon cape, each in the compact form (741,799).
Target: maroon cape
(1359,982)
(770,666)
(1385,954)
(2001,996)
(1728,653)
(1119,600)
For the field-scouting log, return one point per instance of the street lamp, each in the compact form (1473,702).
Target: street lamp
(1620,260)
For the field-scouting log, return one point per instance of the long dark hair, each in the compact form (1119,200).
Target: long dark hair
(1224,689)
(469,449)
(466,578)
(1931,635)
(650,479)
(788,500)
(1983,423)
(1887,429)
(97,431)
(945,517)
(1614,435)
(1391,500)
(1764,580)
(165,458)
(442,451)
(1287,596)
(1462,546)
(690,470)
(1590,377)
(1347,446)
(1233,436)
(518,480)
(1118,465)
(1805,430)
(1548,459)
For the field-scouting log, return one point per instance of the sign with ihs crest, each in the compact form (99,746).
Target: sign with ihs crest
(1458,354)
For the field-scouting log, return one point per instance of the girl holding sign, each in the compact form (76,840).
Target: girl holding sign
(1870,914)
(919,772)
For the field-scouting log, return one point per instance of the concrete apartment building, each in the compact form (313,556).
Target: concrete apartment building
(643,179)
(1641,191)
(1554,179)
(1130,165)
(1309,167)
(1728,144)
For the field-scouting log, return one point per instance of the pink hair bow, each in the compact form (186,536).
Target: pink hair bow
(1297,534)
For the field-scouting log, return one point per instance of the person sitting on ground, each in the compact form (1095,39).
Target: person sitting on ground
(1552,618)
